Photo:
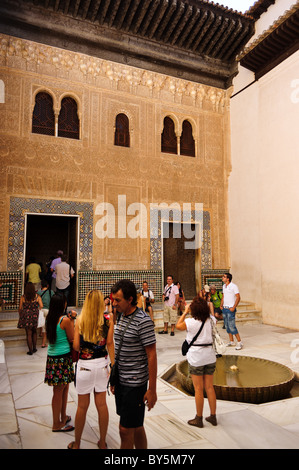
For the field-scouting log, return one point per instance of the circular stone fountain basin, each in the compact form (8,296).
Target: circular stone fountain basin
(246,379)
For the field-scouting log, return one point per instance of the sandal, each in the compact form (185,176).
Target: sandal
(65,428)
(71,445)
(98,444)
(68,419)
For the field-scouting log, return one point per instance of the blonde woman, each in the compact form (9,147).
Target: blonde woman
(94,341)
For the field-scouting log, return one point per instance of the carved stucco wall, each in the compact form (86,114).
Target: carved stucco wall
(92,169)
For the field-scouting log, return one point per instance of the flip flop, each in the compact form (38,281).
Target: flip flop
(71,445)
(98,444)
(65,428)
(68,419)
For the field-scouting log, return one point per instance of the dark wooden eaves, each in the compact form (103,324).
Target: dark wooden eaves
(195,39)
(273,46)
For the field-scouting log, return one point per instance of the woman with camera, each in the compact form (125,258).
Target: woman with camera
(170,299)
(201,357)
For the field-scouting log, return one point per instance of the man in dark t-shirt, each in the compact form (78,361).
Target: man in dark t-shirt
(137,365)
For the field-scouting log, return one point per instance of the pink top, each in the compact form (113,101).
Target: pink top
(171,292)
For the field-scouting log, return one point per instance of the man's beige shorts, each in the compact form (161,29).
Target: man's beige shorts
(170,315)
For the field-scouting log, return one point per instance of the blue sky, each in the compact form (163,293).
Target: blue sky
(239,5)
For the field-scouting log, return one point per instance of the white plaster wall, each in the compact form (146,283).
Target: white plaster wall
(270,16)
(244,199)
(264,193)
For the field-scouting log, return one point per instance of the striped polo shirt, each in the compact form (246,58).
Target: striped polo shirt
(133,365)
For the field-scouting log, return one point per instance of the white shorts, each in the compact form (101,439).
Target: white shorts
(92,375)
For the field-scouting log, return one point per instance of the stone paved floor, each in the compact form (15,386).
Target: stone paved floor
(25,403)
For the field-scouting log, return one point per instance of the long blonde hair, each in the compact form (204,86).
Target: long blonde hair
(91,319)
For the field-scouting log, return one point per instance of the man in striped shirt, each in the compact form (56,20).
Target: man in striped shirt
(137,365)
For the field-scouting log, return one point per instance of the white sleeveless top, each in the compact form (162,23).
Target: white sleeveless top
(200,356)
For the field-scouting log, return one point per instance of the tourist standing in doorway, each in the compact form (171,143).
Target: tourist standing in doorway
(94,341)
(55,261)
(33,273)
(30,304)
(59,367)
(64,273)
(170,299)
(201,359)
(137,365)
(229,302)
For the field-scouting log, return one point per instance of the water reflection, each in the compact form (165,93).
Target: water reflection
(244,378)
(251,372)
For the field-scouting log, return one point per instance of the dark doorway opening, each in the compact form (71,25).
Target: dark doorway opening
(179,261)
(45,234)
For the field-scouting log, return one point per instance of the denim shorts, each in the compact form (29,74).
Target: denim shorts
(229,321)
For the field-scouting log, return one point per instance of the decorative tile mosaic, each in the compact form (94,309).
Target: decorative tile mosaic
(11,289)
(89,279)
(158,215)
(213,276)
(19,207)
(104,280)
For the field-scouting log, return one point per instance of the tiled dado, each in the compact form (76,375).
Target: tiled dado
(104,280)
(89,279)
(11,289)
(213,276)
(19,207)
(158,216)
(12,282)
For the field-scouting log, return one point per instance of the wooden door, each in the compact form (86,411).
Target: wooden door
(179,261)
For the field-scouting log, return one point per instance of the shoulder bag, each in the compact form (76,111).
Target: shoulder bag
(186,345)
(41,317)
(218,343)
(114,374)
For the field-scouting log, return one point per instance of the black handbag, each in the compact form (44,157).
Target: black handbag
(114,375)
(186,345)
(114,372)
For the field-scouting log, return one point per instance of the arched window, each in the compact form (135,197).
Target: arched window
(122,133)
(187,143)
(43,120)
(168,137)
(68,121)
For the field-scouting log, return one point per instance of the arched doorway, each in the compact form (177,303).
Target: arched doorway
(181,262)
(45,234)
